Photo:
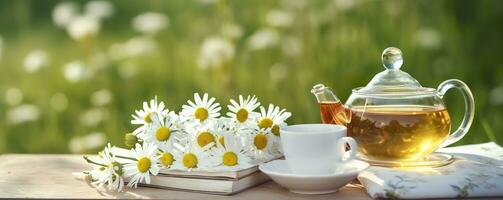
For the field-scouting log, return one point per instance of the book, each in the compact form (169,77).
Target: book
(210,175)
(207,181)
(204,184)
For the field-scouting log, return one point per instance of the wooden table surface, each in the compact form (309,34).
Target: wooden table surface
(50,176)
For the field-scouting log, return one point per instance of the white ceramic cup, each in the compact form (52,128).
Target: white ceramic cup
(316,148)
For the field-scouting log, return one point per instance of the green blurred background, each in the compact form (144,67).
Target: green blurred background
(72,72)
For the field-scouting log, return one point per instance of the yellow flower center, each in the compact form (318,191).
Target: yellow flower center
(143,164)
(242,115)
(201,114)
(260,141)
(166,159)
(222,141)
(162,134)
(190,160)
(265,123)
(275,130)
(147,118)
(230,158)
(205,138)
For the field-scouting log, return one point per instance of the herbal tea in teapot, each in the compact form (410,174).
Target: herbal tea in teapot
(395,120)
(333,113)
(399,132)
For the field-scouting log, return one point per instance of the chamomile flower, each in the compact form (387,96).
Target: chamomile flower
(196,140)
(166,155)
(108,172)
(202,109)
(230,154)
(201,135)
(273,118)
(143,117)
(243,112)
(162,131)
(225,126)
(259,144)
(144,164)
(228,126)
(189,157)
(101,179)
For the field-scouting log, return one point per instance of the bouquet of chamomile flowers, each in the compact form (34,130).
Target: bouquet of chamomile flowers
(198,138)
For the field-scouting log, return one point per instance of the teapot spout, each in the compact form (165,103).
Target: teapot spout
(331,109)
(324,94)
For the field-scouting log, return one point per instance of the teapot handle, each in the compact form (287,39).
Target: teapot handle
(469,108)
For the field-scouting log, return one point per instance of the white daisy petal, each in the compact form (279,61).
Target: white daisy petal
(203,111)
(145,164)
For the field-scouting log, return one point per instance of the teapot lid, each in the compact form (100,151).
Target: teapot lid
(392,80)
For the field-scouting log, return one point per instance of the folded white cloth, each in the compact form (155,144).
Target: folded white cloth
(476,172)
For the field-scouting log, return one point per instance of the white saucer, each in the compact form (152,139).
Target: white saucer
(279,171)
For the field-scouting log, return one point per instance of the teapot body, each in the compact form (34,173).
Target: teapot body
(397,127)
(394,118)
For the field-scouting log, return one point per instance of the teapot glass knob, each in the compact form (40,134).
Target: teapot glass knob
(392,58)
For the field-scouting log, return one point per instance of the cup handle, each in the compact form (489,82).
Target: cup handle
(351,154)
(469,109)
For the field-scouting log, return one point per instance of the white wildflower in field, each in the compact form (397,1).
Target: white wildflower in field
(93,116)
(64,13)
(35,60)
(428,38)
(232,31)
(134,47)
(278,72)
(280,18)
(215,52)
(294,4)
(344,5)
(150,22)
(139,46)
(13,96)
(496,95)
(74,71)
(91,141)
(264,38)
(23,113)
(101,97)
(291,46)
(99,9)
(83,27)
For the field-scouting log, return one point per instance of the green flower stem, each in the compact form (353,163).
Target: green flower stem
(124,157)
(92,162)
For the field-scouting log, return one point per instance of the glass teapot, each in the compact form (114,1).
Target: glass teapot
(394,119)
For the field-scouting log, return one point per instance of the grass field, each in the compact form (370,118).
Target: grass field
(69,86)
